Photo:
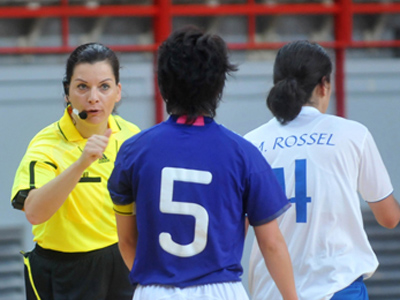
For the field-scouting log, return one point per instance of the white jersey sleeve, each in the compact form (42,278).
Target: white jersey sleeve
(374,182)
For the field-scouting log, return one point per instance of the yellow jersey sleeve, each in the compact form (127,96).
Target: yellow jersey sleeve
(34,171)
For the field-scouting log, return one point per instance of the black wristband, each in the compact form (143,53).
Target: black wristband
(19,199)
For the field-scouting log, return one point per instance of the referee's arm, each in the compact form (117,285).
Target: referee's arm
(42,203)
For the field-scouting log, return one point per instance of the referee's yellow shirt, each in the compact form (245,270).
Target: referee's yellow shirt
(86,220)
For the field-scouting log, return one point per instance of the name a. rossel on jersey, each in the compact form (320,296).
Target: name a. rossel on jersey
(306,139)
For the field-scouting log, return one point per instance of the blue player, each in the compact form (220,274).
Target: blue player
(182,189)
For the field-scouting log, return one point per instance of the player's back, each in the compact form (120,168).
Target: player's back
(190,215)
(317,159)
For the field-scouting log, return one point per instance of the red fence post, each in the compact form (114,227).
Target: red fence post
(162,29)
(343,36)
(64,26)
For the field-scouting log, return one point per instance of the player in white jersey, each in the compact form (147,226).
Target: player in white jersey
(322,162)
(183,188)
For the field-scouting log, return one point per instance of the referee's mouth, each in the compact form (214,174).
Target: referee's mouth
(93,111)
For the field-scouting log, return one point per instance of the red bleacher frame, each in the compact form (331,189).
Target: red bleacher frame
(163,11)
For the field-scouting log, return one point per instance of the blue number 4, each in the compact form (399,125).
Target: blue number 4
(300,198)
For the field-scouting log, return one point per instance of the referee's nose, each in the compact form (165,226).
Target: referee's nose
(94,95)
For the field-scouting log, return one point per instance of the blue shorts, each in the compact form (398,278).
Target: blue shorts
(355,291)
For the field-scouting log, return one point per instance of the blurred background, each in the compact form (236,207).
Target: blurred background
(362,37)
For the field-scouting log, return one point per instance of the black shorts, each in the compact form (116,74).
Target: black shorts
(95,275)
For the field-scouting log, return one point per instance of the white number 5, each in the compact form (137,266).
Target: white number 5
(168,206)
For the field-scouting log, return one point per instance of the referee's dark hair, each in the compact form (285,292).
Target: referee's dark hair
(192,69)
(90,53)
(299,67)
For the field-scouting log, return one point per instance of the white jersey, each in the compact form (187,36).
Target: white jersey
(322,162)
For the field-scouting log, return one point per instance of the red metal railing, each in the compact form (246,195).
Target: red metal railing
(163,11)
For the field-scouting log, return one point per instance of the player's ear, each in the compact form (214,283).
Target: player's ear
(323,87)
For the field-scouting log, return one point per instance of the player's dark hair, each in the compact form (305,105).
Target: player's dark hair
(192,69)
(299,67)
(90,53)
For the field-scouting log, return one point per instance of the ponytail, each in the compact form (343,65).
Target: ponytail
(285,100)
(299,66)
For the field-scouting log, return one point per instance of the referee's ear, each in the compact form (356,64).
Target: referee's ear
(65,84)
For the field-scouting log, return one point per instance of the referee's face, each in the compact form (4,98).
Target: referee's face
(93,89)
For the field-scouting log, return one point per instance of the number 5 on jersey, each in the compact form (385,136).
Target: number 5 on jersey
(168,206)
(300,198)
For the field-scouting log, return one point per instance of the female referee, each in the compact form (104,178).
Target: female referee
(61,184)
(322,162)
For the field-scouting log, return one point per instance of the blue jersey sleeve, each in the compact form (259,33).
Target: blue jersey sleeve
(265,199)
(119,183)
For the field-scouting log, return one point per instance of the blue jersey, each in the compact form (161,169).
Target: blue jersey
(193,186)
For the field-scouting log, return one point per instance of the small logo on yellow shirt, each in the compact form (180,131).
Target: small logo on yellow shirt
(104,159)
(86,178)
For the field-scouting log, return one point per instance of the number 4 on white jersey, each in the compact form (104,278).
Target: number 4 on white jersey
(300,198)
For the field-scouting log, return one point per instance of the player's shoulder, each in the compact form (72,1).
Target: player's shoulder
(344,124)
(233,136)
(143,137)
(260,132)
(243,145)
